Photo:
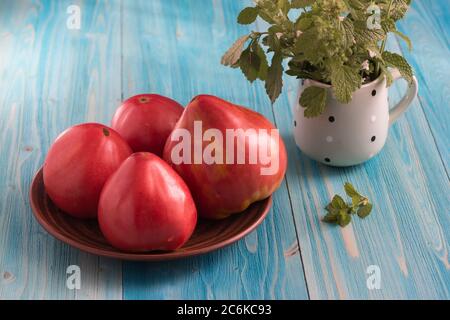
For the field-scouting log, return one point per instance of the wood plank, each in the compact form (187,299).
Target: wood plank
(51,77)
(174,48)
(408,233)
(428,26)
(45,68)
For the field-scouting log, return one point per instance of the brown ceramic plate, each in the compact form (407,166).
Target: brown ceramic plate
(85,234)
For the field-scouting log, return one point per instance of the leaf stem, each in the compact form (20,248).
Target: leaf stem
(383,44)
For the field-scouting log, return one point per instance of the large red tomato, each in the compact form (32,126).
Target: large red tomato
(222,186)
(145,205)
(78,164)
(146,120)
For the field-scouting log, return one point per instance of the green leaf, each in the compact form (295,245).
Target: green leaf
(266,17)
(347,30)
(338,211)
(301,4)
(388,25)
(267,10)
(395,60)
(264,66)
(274,81)
(330,218)
(338,202)
(313,99)
(344,218)
(248,15)
(307,46)
(350,190)
(283,5)
(405,38)
(274,42)
(275,29)
(329,42)
(356,200)
(357,5)
(250,64)
(364,36)
(399,9)
(231,57)
(387,74)
(303,23)
(331,209)
(364,211)
(344,80)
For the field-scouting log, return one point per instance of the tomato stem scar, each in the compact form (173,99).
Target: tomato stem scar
(106,132)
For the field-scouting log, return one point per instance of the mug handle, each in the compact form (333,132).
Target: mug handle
(411,93)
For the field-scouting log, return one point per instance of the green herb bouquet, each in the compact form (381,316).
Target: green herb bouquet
(336,42)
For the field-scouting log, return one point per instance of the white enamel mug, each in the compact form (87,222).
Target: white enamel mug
(349,134)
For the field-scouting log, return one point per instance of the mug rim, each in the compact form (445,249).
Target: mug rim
(319,84)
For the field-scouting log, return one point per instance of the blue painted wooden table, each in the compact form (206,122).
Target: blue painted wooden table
(52,77)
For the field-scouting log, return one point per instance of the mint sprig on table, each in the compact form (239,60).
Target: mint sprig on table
(327,41)
(339,212)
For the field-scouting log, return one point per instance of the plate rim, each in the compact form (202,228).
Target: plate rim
(163,256)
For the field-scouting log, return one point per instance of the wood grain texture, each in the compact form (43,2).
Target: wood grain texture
(51,78)
(174,48)
(407,235)
(428,26)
